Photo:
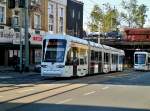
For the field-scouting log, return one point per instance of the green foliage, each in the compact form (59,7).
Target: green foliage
(103,20)
(134,15)
(107,18)
(141,15)
(96,16)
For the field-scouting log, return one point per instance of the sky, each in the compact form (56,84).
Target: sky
(88,6)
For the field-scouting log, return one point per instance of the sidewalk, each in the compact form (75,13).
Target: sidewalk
(6,70)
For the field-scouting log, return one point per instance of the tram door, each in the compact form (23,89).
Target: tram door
(75,61)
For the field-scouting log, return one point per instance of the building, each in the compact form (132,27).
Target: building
(57,16)
(45,16)
(6,34)
(74,18)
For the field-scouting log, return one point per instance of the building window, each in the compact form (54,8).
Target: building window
(38,56)
(61,20)
(51,23)
(50,9)
(61,12)
(37,21)
(16,21)
(50,17)
(35,1)
(2,15)
(61,24)
(73,13)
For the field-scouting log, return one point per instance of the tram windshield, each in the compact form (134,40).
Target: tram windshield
(54,50)
(140,58)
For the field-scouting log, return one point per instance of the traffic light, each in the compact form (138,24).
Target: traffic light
(11,4)
(21,3)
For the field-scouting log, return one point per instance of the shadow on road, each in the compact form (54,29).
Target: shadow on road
(118,78)
(67,107)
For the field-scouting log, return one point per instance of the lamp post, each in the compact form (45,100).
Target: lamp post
(26,37)
(21,40)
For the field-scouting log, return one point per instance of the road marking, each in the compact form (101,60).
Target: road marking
(22,91)
(104,88)
(1,96)
(64,101)
(133,78)
(85,94)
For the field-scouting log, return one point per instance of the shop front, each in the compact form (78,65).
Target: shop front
(10,49)
(35,49)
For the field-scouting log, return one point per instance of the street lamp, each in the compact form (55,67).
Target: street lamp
(26,37)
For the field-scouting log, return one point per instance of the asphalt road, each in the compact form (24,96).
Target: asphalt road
(121,91)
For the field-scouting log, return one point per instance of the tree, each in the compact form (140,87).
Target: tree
(95,19)
(110,18)
(134,15)
(141,15)
(103,20)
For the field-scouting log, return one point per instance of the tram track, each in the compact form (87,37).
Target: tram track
(38,96)
(51,92)
(49,83)
(26,83)
(19,86)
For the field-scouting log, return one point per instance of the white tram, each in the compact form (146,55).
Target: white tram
(67,56)
(141,60)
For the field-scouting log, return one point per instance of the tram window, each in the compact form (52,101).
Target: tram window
(81,61)
(148,59)
(69,59)
(85,60)
(96,56)
(100,56)
(113,59)
(106,57)
(82,56)
(92,55)
(120,59)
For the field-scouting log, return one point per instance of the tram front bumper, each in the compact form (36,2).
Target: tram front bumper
(50,73)
(141,67)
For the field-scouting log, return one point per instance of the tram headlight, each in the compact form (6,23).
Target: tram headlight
(43,66)
(60,66)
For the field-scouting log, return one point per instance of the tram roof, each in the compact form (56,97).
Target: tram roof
(82,41)
(66,37)
(95,44)
(140,52)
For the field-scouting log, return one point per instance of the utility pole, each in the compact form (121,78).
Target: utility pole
(26,36)
(21,40)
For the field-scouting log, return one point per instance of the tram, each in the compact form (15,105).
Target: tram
(67,56)
(141,61)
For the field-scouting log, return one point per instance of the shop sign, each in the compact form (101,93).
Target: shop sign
(6,36)
(36,39)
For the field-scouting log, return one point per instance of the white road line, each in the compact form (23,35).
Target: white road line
(104,88)
(133,78)
(22,91)
(1,96)
(85,94)
(64,101)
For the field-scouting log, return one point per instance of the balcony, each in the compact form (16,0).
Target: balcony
(3,1)
(35,6)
